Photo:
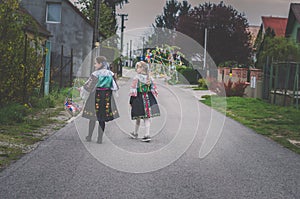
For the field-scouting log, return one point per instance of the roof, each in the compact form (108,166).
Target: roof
(41,30)
(72,4)
(278,24)
(294,15)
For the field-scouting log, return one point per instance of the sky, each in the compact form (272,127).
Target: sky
(142,13)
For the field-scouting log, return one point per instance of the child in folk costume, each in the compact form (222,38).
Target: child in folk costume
(142,100)
(100,105)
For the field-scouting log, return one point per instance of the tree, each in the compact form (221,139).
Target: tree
(165,24)
(107,21)
(277,49)
(227,39)
(20,57)
(114,3)
(172,11)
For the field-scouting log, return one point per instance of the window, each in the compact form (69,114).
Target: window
(53,13)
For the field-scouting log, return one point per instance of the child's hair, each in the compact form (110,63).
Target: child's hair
(100,59)
(144,66)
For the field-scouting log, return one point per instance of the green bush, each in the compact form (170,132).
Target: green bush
(43,102)
(13,113)
(190,74)
(202,83)
(180,68)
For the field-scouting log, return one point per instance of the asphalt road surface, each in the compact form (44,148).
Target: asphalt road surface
(195,152)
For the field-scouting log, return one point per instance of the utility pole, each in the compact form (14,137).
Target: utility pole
(123,18)
(96,23)
(130,58)
(95,43)
(127,54)
(142,54)
(205,48)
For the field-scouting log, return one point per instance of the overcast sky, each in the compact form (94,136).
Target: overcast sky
(142,13)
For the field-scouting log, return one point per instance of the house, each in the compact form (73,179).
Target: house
(36,27)
(277,24)
(293,26)
(72,35)
(253,30)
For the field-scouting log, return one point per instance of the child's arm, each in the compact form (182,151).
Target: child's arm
(90,83)
(115,85)
(154,88)
(133,87)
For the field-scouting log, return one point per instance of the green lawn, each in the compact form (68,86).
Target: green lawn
(282,124)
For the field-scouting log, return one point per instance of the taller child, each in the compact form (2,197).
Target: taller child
(100,104)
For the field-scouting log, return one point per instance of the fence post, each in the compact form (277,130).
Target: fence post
(271,79)
(61,66)
(266,89)
(286,83)
(276,81)
(71,69)
(47,68)
(296,86)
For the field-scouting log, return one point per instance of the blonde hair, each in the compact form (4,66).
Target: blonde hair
(144,66)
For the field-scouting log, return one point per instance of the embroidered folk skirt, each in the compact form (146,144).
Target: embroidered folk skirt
(144,105)
(105,106)
(101,106)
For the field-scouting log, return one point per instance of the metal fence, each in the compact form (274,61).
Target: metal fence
(281,83)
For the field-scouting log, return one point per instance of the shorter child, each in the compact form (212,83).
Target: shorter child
(142,100)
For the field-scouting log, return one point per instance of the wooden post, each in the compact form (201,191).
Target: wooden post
(265,90)
(286,82)
(271,79)
(25,70)
(61,66)
(71,69)
(276,81)
(296,86)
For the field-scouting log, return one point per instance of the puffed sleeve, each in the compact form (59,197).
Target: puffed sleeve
(90,84)
(133,87)
(154,87)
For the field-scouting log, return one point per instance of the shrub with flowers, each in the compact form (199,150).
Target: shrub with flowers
(228,89)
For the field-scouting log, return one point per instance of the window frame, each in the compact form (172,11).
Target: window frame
(47,10)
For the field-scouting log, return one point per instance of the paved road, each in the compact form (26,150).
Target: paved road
(183,159)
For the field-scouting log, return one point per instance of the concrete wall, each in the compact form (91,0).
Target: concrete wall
(74,32)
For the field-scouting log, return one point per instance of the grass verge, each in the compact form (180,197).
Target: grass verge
(22,127)
(281,124)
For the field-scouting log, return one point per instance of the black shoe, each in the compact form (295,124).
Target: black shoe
(146,139)
(88,138)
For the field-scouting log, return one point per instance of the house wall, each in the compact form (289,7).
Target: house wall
(74,32)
